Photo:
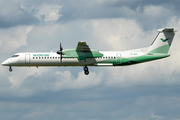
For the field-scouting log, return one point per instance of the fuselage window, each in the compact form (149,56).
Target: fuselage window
(33,57)
(42,57)
(36,57)
(50,57)
(47,57)
(39,57)
(55,57)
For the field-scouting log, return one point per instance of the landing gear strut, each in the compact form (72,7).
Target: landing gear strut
(86,72)
(10,69)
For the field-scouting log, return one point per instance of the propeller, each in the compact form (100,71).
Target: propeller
(60,52)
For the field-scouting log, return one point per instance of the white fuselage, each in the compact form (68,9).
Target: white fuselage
(110,58)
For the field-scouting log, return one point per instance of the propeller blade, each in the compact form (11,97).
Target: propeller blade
(61,48)
(60,52)
(61,58)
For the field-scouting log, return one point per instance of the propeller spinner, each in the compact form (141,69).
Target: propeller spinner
(60,52)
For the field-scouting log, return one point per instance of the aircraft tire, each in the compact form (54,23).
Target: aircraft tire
(10,69)
(86,72)
(85,68)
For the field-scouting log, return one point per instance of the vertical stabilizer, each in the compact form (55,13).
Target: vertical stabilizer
(163,41)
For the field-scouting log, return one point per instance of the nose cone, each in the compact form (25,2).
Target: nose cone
(5,63)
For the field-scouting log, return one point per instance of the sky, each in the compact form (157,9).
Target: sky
(148,91)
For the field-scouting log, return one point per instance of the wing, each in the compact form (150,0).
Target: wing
(81,52)
(83,47)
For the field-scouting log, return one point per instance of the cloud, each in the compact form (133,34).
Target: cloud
(69,82)
(156,117)
(23,84)
(115,35)
(144,91)
(13,38)
(46,13)
(17,78)
(12,15)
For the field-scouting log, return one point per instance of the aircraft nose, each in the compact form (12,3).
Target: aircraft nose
(5,63)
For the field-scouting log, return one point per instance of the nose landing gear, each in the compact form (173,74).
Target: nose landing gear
(10,69)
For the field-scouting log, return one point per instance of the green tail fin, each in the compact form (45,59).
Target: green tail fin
(163,41)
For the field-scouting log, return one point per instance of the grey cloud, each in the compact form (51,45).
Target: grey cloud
(14,15)
(97,103)
(118,9)
(74,10)
(147,97)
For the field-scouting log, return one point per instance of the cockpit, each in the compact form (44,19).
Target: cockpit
(15,56)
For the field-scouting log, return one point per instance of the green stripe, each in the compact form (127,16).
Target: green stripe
(162,49)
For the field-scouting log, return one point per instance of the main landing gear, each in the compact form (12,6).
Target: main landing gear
(86,71)
(10,69)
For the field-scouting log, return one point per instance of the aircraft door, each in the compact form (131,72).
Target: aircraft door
(118,58)
(27,58)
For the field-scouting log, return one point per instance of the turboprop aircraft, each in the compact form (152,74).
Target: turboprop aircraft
(84,56)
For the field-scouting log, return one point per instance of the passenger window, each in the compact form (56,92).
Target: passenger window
(39,57)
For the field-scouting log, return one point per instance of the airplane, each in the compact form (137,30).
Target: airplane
(84,56)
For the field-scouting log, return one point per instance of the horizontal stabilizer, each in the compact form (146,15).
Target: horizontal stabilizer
(167,30)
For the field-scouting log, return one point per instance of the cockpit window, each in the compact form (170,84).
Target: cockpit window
(15,56)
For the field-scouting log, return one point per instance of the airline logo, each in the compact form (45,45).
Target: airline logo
(164,40)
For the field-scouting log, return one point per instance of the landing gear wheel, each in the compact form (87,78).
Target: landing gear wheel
(10,69)
(86,72)
(85,68)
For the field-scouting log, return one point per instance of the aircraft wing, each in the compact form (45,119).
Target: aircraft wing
(81,52)
(82,47)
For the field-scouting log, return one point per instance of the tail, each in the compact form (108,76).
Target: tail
(163,41)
